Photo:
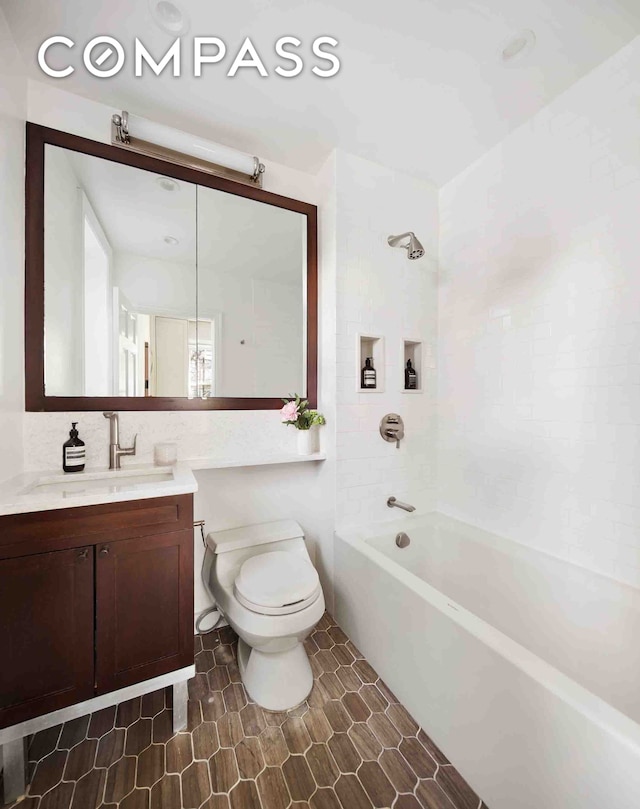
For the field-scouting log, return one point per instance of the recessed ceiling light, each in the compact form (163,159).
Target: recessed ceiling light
(169,17)
(167,184)
(171,240)
(515,48)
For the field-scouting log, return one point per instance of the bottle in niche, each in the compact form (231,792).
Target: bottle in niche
(368,374)
(73,452)
(410,377)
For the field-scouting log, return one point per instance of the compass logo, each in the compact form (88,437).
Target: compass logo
(105,56)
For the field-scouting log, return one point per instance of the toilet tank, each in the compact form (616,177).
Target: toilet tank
(249,536)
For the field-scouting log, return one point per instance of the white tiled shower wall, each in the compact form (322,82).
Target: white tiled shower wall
(380,292)
(539,329)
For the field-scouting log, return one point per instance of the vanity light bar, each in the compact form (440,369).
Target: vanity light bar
(186,150)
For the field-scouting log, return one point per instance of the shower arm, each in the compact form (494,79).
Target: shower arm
(395,241)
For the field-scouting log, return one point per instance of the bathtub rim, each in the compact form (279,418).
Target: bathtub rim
(595,708)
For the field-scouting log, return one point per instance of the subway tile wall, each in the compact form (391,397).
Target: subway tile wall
(539,329)
(380,292)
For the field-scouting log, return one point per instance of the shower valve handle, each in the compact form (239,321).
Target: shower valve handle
(392,435)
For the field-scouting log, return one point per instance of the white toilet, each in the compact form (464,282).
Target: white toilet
(264,584)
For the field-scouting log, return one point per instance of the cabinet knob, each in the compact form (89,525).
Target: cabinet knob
(104,550)
(84,554)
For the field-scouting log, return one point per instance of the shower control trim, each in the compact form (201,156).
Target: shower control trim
(392,428)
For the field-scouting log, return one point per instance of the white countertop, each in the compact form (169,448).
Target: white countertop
(262,460)
(47,491)
(50,490)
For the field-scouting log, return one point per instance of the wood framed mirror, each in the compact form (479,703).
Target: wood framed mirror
(153,286)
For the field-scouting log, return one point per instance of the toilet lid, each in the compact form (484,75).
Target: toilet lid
(277,583)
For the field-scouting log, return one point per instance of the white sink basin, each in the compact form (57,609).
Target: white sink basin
(117,481)
(47,491)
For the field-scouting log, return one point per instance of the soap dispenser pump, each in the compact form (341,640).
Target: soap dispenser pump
(73,451)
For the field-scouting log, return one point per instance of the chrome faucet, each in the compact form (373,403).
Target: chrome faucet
(115,450)
(393,503)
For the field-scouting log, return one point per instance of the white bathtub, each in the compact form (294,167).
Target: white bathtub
(524,669)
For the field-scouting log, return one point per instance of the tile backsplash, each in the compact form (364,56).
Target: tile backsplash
(225,434)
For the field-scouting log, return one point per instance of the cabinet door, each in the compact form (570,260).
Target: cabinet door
(144,608)
(46,633)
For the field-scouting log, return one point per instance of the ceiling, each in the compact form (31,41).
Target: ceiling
(222,232)
(422,88)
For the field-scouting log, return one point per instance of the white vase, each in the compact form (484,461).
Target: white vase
(308,441)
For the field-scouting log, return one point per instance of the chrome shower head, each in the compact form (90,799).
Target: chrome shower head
(409,242)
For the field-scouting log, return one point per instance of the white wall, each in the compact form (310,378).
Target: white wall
(540,329)
(12,116)
(156,286)
(98,306)
(64,282)
(213,433)
(232,497)
(381,292)
(278,334)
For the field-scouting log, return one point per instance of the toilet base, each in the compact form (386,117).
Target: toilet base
(278,681)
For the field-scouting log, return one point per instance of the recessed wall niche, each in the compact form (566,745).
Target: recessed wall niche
(370,347)
(412,351)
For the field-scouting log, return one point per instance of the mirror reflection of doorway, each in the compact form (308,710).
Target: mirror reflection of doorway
(131,338)
(181,357)
(169,356)
(202,359)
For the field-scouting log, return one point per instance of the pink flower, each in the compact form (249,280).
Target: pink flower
(289,412)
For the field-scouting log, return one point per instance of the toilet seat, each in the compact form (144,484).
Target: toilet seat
(277,583)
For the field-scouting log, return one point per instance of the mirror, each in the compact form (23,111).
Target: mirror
(164,287)
(251,296)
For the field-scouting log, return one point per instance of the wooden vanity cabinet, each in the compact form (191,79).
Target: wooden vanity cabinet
(93,599)
(144,608)
(46,632)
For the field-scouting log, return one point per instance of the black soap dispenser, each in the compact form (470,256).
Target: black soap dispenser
(410,377)
(368,379)
(73,452)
